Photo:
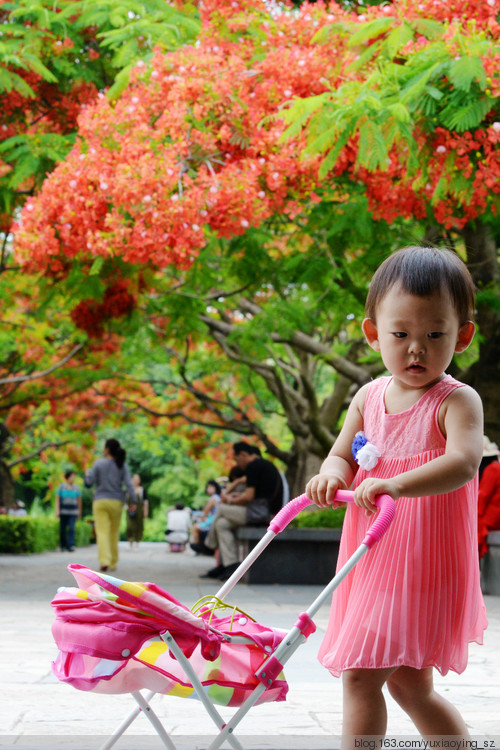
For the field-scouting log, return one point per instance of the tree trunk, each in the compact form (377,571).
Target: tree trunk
(6,486)
(302,466)
(484,375)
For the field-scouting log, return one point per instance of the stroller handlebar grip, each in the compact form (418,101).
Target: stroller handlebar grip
(385,503)
(387,509)
(288,513)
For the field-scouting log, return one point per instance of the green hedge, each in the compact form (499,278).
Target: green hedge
(328,518)
(27,535)
(154,528)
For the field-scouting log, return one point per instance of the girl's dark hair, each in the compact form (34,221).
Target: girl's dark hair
(423,271)
(116,451)
(213,483)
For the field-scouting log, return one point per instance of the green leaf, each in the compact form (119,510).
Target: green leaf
(121,82)
(323,142)
(428,28)
(37,66)
(11,81)
(371,30)
(345,28)
(367,55)
(372,152)
(435,93)
(331,158)
(397,39)
(299,112)
(399,112)
(96,267)
(418,84)
(464,71)
(466,117)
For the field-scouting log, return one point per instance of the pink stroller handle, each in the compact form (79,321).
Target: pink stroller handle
(385,503)
(288,513)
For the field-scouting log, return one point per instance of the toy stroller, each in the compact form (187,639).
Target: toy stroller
(121,637)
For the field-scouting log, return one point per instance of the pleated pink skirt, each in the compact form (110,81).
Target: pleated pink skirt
(415,597)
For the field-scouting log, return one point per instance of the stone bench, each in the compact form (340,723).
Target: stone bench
(295,556)
(490,568)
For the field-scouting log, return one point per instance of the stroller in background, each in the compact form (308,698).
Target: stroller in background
(122,637)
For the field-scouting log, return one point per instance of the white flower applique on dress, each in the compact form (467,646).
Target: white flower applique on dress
(364,453)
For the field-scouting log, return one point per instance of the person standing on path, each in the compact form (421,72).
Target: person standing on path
(68,510)
(136,514)
(414,603)
(110,475)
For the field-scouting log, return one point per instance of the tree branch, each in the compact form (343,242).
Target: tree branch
(42,373)
(43,447)
(299,340)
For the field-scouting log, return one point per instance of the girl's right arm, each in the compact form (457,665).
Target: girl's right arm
(339,468)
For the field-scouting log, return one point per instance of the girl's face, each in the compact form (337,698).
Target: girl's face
(417,336)
(210,490)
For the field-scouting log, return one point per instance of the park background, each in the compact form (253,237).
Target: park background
(193,199)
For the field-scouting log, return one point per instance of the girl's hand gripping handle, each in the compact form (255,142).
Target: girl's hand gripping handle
(383,519)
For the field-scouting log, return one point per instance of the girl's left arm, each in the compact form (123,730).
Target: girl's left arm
(461,420)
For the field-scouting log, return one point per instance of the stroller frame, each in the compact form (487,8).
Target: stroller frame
(272,666)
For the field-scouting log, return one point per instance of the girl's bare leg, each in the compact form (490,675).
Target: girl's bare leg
(432,714)
(364,712)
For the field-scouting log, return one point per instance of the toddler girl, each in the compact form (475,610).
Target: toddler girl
(414,602)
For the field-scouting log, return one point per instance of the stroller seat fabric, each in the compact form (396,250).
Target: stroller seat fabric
(108,632)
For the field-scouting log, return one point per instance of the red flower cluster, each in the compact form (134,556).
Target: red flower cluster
(193,148)
(91,315)
(87,316)
(184,153)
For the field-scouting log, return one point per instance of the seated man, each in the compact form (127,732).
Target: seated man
(256,505)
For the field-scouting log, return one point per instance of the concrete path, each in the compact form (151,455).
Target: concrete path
(36,711)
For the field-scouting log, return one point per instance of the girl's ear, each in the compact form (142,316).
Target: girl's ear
(465,335)
(371,333)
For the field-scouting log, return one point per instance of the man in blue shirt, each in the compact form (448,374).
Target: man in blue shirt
(68,510)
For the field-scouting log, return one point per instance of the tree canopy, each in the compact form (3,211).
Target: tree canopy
(232,201)
(55,58)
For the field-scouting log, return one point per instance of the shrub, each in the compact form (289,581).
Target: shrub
(328,518)
(45,534)
(84,532)
(16,534)
(154,529)
(26,534)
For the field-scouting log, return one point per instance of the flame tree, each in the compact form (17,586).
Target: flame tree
(240,191)
(55,58)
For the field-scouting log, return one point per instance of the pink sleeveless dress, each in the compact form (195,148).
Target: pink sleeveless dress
(415,598)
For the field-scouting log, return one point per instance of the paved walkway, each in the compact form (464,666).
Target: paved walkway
(36,711)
